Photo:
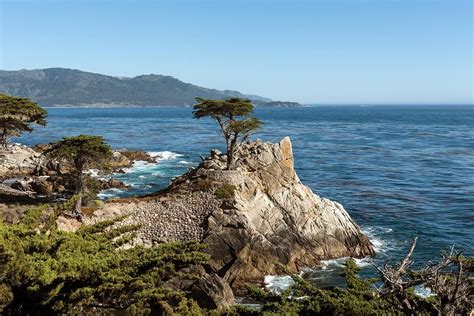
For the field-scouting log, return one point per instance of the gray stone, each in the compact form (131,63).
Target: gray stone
(212,292)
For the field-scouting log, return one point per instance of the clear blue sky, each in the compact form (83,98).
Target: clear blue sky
(333,51)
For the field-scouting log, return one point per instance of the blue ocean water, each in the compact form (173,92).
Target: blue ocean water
(400,171)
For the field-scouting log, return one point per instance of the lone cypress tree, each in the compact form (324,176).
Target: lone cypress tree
(17,115)
(234,119)
(81,152)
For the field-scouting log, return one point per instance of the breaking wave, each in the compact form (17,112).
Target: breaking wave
(278,283)
(164,155)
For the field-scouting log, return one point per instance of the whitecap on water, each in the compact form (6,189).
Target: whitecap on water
(164,155)
(184,162)
(110,193)
(139,166)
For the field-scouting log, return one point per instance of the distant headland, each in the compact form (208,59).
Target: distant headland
(74,88)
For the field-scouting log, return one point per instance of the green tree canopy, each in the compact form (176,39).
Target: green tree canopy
(82,152)
(17,115)
(234,119)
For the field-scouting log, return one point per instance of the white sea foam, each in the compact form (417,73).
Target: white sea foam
(338,264)
(110,193)
(140,166)
(278,283)
(332,264)
(164,155)
(364,262)
(184,162)
(95,174)
(377,235)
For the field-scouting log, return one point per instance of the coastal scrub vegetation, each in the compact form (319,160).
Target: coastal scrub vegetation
(44,271)
(17,115)
(234,119)
(449,279)
(81,152)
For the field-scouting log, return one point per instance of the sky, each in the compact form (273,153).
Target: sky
(320,51)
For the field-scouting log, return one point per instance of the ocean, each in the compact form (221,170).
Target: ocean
(400,171)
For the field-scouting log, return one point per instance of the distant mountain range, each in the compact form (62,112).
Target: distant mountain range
(69,87)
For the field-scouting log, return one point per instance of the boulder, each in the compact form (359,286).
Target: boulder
(215,153)
(42,186)
(212,292)
(112,183)
(8,194)
(22,185)
(118,160)
(67,224)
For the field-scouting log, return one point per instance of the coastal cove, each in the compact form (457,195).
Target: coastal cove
(391,167)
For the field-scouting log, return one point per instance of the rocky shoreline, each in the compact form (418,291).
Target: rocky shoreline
(256,220)
(26,176)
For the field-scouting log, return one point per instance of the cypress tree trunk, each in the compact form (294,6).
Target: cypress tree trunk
(4,139)
(231,152)
(79,190)
(230,157)
(228,143)
(78,207)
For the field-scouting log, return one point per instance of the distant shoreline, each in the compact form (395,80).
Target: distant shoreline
(263,107)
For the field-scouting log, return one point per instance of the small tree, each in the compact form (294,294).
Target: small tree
(17,115)
(82,152)
(234,119)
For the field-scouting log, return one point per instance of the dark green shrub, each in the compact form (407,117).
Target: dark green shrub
(225,191)
(46,271)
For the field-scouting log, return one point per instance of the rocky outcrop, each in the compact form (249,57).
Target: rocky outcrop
(212,292)
(32,178)
(17,160)
(13,193)
(253,219)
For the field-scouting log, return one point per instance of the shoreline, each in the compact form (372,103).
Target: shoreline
(357,105)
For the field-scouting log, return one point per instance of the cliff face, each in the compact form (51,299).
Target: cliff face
(273,218)
(252,218)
